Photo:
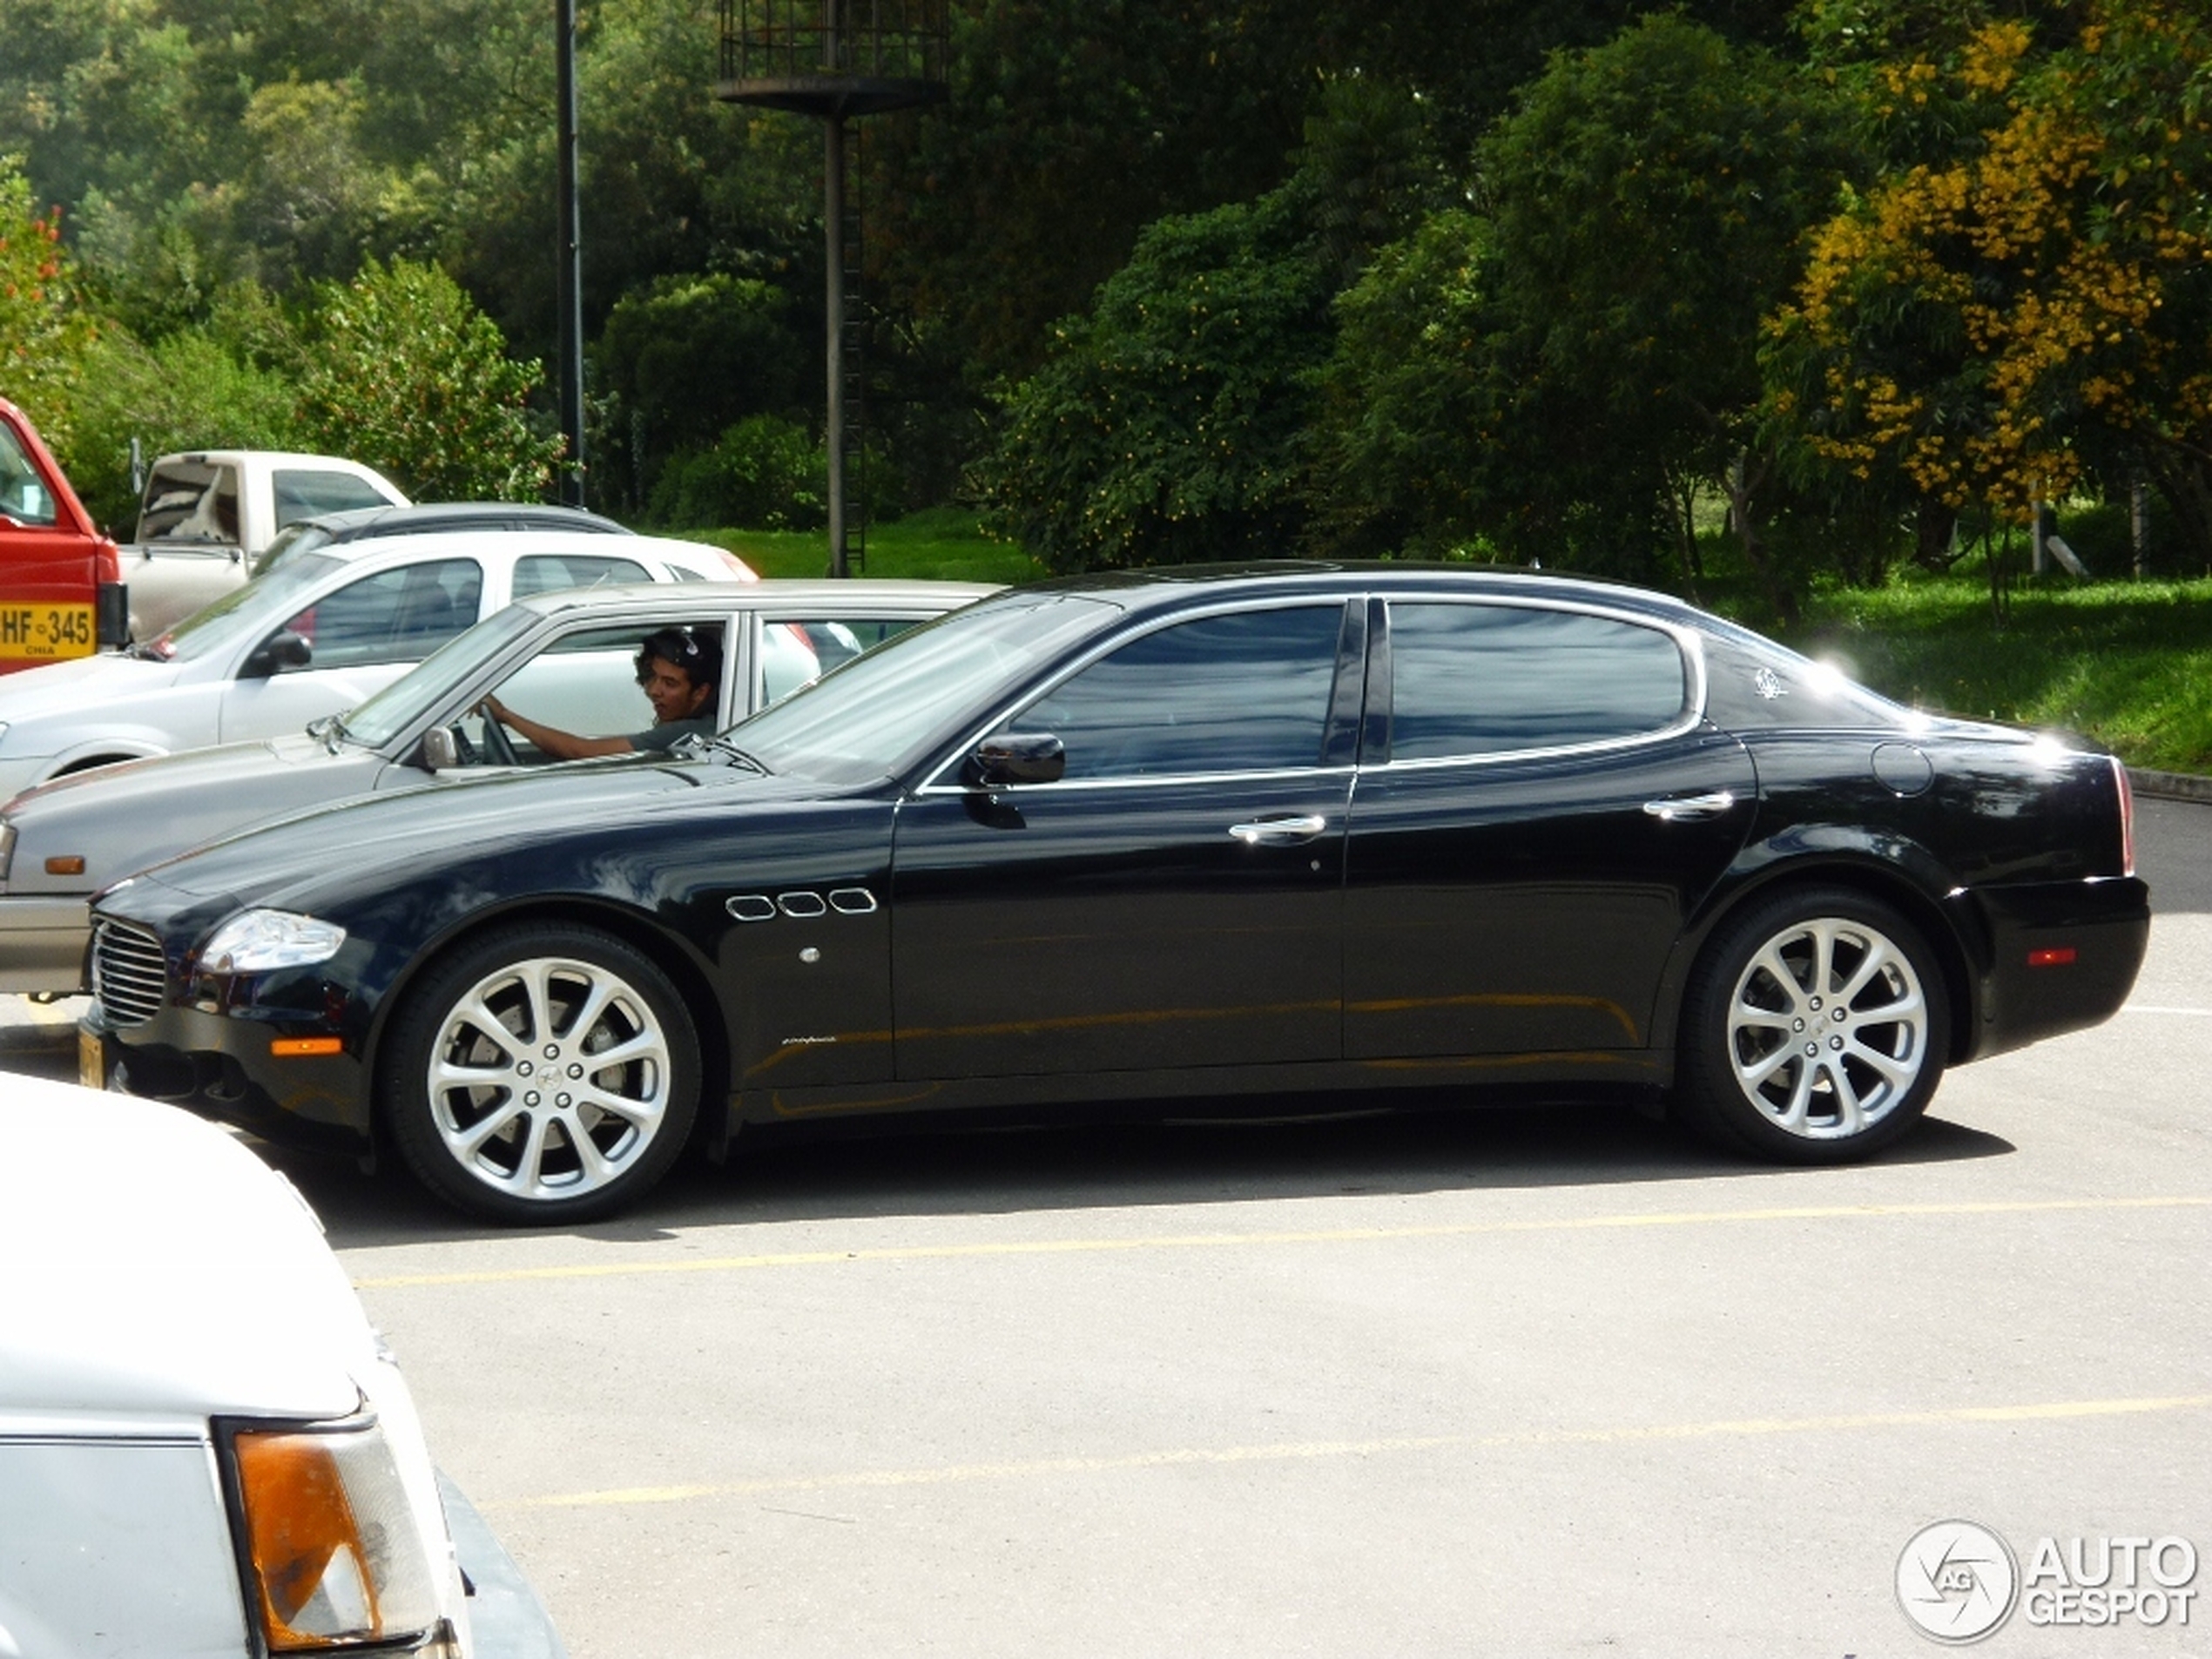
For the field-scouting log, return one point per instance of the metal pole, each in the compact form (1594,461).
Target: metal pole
(570,282)
(833,211)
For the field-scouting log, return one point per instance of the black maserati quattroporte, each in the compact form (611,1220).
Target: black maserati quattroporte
(1255,832)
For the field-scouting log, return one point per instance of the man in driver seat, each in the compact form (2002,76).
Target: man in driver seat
(680,671)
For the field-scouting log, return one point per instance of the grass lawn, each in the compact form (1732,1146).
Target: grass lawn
(942,544)
(2129,664)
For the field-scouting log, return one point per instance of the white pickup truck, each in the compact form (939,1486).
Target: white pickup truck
(207,513)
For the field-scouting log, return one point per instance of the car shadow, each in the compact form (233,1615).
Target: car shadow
(1177,1164)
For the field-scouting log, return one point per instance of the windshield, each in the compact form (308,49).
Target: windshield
(874,715)
(255,609)
(431,681)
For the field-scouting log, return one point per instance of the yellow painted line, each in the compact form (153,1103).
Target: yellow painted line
(1225,1241)
(1299,1451)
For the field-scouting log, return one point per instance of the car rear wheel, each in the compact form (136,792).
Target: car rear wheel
(1815,1029)
(542,1075)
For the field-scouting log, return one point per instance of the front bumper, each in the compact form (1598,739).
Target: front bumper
(2063,956)
(229,1067)
(42,942)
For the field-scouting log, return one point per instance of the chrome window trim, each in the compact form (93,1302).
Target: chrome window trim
(1687,640)
(935,784)
(1146,780)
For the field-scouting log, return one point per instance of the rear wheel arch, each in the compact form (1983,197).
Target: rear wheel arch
(1938,928)
(1814,1027)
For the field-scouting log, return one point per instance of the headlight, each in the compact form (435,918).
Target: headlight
(7,850)
(334,1554)
(254,941)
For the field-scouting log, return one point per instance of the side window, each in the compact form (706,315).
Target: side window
(584,682)
(1473,680)
(544,572)
(191,501)
(393,617)
(301,493)
(1244,692)
(795,652)
(24,495)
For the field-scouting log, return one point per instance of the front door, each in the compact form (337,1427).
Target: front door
(1175,899)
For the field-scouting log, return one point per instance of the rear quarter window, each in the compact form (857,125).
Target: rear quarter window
(1755,685)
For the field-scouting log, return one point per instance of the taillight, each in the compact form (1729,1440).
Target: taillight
(2126,816)
(333,1553)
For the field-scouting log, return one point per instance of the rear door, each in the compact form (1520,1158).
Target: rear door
(1539,807)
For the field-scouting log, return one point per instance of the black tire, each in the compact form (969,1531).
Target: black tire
(1771,1061)
(516,1123)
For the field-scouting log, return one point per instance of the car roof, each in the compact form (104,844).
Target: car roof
(356,521)
(477,542)
(1173,587)
(162,1245)
(617,598)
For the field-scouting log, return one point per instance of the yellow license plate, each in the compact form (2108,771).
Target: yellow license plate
(43,633)
(91,1059)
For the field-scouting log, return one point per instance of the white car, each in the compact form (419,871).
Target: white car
(205,1449)
(317,636)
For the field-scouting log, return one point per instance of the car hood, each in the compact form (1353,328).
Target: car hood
(481,816)
(221,765)
(160,1273)
(70,687)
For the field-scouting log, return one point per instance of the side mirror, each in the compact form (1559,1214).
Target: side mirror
(440,751)
(1032,758)
(279,652)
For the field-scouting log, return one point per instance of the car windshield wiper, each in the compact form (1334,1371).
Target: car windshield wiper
(723,747)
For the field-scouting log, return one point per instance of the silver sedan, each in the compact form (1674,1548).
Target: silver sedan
(565,659)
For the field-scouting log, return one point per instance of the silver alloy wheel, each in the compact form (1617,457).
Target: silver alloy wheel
(1828,1028)
(550,1078)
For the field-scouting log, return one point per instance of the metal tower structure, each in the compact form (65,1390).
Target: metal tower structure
(835,60)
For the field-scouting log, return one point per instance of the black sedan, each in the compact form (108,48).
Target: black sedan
(1282,829)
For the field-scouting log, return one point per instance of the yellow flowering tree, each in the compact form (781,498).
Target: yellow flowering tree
(1991,326)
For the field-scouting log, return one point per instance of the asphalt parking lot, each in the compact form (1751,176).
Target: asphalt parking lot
(1499,1382)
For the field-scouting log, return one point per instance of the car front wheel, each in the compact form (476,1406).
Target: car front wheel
(1815,1029)
(542,1075)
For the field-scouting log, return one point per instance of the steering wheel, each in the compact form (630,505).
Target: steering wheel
(498,746)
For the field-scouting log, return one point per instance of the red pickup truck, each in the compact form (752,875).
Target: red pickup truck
(61,588)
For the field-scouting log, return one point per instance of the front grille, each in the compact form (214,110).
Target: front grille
(129,976)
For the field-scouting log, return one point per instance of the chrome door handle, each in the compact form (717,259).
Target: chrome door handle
(1712,805)
(1279,832)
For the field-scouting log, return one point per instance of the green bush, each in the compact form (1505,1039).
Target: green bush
(763,473)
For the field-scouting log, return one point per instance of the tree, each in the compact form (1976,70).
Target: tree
(1993,326)
(1593,336)
(404,373)
(46,328)
(1163,429)
(688,356)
